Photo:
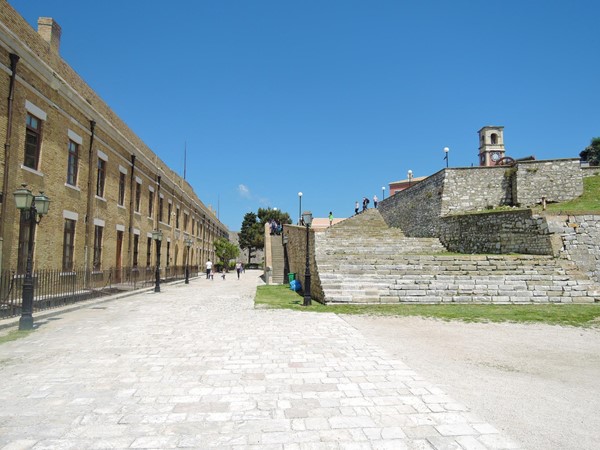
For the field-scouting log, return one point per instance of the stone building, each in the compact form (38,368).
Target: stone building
(108,190)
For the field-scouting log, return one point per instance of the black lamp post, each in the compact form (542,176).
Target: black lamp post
(300,208)
(157,236)
(307,219)
(188,244)
(30,207)
(447,152)
(382,192)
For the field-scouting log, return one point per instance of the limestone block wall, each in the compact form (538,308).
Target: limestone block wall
(496,232)
(557,180)
(580,237)
(417,209)
(296,258)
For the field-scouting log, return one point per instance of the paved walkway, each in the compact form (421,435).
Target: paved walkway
(195,366)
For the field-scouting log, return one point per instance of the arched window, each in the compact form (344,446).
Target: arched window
(494,138)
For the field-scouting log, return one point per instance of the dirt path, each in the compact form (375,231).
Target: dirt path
(539,384)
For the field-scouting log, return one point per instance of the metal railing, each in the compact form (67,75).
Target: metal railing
(55,288)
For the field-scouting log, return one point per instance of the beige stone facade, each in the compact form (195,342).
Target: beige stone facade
(61,138)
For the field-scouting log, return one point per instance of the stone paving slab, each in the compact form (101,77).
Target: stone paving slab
(196,366)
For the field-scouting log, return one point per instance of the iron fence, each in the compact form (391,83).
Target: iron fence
(55,288)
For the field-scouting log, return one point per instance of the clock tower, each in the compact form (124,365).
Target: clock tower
(491,145)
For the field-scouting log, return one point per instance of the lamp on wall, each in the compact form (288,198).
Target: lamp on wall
(410,177)
(382,192)
(307,219)
(157,236)
(447,152)
(32,209)
(300,208)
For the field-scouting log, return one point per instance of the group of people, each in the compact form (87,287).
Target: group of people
(210,273)
(365,204)
(275,227)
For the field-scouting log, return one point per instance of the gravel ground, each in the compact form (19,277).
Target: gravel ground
(537,383)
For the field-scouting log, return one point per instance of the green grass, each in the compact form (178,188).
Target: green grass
(14,335)
(580,315)
(589,202)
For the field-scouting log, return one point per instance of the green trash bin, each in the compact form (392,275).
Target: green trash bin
(291,277)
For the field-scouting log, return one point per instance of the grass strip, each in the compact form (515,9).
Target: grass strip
(579,315)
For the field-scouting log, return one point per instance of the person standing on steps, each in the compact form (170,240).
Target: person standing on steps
(356,208)
(208,268)
(330,218)
(375,200)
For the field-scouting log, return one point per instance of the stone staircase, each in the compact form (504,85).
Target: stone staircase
(362,260)
(277,255)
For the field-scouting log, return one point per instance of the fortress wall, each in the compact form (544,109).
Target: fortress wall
(557,180)
(417,209)
(476,188)
(496,232)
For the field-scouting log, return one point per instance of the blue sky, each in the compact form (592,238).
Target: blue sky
(334,98)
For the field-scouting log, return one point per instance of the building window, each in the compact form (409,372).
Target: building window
(138,196)
(68,245)
(150,203)
(136,246)
(97,263)
(121,188)
(160,209)
(121,199)
(168,252)
(23,242)
(101,178)
(177,218)
(33,141)
(169,212)
(148,251)
(73,163)
(185,221)
(494,138)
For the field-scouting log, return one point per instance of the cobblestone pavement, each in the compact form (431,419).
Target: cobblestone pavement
(196,366)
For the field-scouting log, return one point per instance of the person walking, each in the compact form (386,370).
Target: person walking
(208,268)
(375,200)
(238,268)
(356,207)
(330,218)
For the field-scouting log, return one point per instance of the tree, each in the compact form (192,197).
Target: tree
(226,251)
(264,215)
(591,153)
(251,235)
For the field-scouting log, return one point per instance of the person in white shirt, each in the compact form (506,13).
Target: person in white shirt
(208,268)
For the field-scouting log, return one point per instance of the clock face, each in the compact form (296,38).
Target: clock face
(495,156)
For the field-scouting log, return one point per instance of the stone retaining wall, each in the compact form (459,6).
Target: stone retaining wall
(580,237)
(496,232)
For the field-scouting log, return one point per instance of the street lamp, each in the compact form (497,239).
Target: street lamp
(410,177)
(307,218)
(300,208)
(157,236)
(382,192)
(188,244)
(29,206)
(447,152)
